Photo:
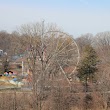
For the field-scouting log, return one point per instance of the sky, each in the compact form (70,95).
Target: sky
(75,17)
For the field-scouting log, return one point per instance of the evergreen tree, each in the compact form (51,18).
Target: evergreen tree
(88,65)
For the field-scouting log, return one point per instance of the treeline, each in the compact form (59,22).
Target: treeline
(57,97)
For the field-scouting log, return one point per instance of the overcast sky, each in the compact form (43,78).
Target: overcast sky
(74,16)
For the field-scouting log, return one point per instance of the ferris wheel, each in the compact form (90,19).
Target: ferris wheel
(61,53)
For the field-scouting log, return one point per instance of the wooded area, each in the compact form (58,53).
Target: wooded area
(51,56)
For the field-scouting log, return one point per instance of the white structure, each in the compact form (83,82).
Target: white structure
(1,52)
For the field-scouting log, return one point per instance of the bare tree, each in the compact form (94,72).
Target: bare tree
(4,41)
(83,40)
(102,43)
(48,55)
